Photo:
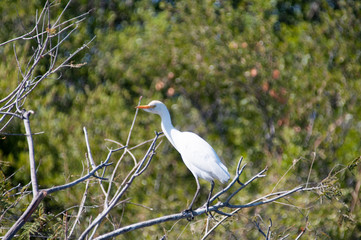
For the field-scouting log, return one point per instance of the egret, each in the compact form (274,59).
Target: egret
(199,157)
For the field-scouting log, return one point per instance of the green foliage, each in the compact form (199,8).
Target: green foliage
(277,82)
(38,227)
(5,202)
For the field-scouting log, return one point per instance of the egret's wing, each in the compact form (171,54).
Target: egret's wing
(200,157)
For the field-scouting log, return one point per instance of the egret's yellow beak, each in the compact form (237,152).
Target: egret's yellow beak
(144,106)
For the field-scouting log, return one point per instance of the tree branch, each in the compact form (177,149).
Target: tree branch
(44,192)
(216,207)
(25,216)
(13,102)
(149,155)
(34,180)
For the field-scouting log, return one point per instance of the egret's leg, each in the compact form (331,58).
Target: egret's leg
(209,198)
(188,212)
(195,196)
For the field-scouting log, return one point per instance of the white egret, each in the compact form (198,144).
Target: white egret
(199,157)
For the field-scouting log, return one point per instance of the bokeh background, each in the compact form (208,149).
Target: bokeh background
(277,82)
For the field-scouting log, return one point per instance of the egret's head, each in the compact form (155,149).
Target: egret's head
(156,107)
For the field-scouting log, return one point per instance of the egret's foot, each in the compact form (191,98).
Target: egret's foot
(209,213)
(189,214)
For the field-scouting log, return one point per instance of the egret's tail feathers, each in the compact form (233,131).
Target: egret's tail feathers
(224,175)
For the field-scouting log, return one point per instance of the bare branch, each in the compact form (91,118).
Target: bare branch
(269,230)
(20,134)
(30,32)
(29,138)
(259,175)
(149,154)
(132,126)
(42,32)
(295,161)
(11,114)
(79,180)
(90,156)
(120,159)
(17,61)
(303,230)
(259,228)
(25,216)
(202,210)
(81,207)
(7,123)
(72,55)
(235,179)
(61,14)
(309,173)
(42,193)
(91,160)
(172,217)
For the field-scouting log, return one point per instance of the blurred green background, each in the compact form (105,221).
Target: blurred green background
(273,81)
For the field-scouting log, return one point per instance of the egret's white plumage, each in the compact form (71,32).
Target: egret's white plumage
(199,157)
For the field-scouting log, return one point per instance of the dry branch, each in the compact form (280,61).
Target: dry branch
(268,198)
(11,105)
(34,181)
(140,168)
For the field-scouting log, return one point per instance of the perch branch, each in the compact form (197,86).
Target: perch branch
(216,207)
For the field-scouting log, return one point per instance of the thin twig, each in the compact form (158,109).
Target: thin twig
(235,179)
(30,32)
(295,161)
(79,180)
(132,126)
(10,113)
(121,158)
(149,154)
(309,173)
(268,237)
(20,134)
(17,61)
(81,207)
(258,175)
(303,230)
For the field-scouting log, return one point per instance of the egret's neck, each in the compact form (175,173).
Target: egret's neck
(167,128)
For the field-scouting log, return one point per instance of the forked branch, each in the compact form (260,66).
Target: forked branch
(40,194)
(139,169)
(268,198)
(48,40)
